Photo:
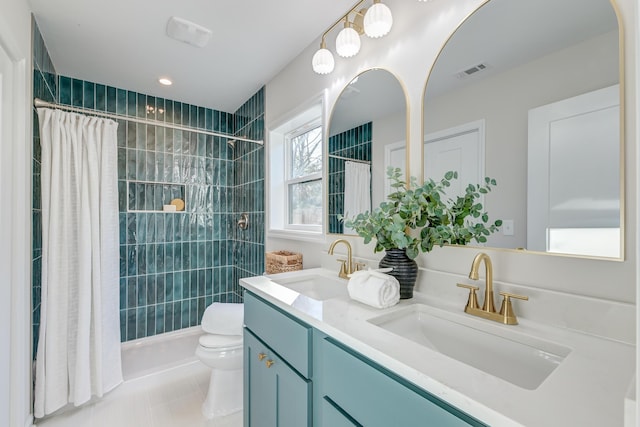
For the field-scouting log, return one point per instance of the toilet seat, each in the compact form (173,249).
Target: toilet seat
(220,342)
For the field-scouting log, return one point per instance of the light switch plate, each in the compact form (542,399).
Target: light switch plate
(507,227)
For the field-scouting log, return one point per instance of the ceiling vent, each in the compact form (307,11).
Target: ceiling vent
(188,32)
(473,70)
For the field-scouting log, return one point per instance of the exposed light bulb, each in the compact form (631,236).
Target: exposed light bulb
(378,20)
(322,61)
(348,42)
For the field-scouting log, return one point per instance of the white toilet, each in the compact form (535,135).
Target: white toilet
(220,348)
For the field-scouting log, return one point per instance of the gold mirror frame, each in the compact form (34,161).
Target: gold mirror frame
(621,74)
(327,136)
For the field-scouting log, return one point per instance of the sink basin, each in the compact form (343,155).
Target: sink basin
(317,283)
(518,358)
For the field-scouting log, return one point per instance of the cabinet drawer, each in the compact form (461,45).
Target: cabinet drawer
(288,337)
(374,397)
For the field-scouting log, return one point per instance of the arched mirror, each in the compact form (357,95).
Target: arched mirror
(367,133)
(528,93)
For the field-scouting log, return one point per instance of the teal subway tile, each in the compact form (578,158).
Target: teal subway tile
(141,290)
(132,104)
(142,259)
(151,289)
(123,325)
(151,259)
(111,99)
(141,110)
(131,292)
(160,319)
(150,106)
(122,133)
(177,285)
(168,317)
(193,116)
(177,314)
(160,288)
(122,102)
(64,90)
(168,286)
(141,322)
(201,282)
(184,315)
(141,136)
(177,113)
(151,138)
(77,93)
(160,259)
(151,321)
(131,135)
(88,95)
(193,312)
(160,109)
(131,324)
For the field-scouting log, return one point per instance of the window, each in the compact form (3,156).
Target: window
(295,174)
(304,179)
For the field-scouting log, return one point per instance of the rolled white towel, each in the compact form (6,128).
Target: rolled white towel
(374,288)
(223,319)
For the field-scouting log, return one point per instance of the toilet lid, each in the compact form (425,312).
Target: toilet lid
(220,341)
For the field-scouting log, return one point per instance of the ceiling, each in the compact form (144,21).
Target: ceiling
(123,43)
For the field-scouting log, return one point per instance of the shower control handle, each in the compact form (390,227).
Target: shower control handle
(243,222)
(261,356)
(269,363)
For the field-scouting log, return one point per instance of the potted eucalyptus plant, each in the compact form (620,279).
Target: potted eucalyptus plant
(416,218)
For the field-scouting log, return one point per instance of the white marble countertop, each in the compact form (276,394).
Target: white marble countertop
(587,389)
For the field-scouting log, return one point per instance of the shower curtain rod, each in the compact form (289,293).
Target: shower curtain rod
(39,103)
(350,160)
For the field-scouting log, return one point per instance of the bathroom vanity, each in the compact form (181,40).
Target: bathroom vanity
(315,357)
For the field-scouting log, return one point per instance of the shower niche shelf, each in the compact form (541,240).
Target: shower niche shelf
(150,196)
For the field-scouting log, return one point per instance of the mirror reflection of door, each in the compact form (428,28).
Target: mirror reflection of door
(507,58)
(459,149)
(574,189)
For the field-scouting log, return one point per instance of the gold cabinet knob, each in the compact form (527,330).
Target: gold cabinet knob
(269,363)
(261,356)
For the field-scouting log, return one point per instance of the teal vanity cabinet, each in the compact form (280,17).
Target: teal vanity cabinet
(355,391)
(297,376)
(277,388)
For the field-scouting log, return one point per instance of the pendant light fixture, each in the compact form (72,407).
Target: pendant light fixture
(378,20)
(323,61)
(375,21)
(348,41)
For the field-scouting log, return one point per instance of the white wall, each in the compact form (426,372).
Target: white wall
(15,185)
(420,30)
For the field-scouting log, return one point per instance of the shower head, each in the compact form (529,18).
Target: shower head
(232,143)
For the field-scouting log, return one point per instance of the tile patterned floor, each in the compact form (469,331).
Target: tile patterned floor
(171,398)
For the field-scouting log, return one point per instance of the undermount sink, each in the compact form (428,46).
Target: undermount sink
(315,283)
(518,358)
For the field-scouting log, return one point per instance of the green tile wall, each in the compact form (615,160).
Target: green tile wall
(172,265)
(353,144)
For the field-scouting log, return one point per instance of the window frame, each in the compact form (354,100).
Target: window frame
(316,176)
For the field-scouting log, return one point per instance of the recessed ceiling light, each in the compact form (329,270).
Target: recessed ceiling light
(165,81)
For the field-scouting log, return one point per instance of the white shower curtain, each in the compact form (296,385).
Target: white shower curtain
(357,190)
(78,353)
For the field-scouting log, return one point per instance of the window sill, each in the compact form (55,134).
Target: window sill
(307,236)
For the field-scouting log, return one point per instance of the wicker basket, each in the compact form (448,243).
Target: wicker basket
(282,261)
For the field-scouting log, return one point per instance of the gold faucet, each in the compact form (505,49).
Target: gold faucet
(488,310)
(346,266)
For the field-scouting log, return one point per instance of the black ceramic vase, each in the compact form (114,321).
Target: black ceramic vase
(404,269)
